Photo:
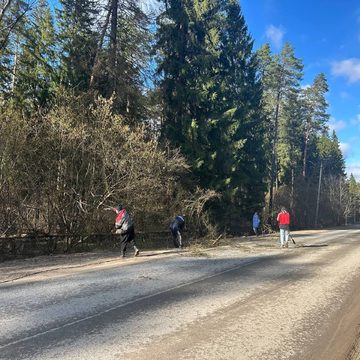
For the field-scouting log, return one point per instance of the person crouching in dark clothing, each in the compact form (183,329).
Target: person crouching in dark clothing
(125,227)
(176,227)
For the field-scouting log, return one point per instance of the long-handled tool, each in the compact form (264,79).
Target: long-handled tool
(292,239)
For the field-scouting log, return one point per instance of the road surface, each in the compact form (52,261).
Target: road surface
(246,301)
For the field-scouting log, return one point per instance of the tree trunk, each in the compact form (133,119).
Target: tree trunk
(340,203)
(273,174)
(318,196)
(96,65)
(113,43)
(305,152)
(292,191)
(14,71)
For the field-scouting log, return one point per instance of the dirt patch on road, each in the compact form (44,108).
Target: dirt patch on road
(354,353)
(341,341)
(43,266)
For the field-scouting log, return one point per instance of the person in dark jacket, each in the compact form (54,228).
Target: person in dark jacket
(125,227)
(176,227)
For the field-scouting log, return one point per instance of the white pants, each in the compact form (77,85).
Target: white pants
(179,239)
(284,236)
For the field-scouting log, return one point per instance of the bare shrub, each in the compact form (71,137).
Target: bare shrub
(59,171)
(195,208)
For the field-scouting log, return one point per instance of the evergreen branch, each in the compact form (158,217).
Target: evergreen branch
(6,6)
(14,24)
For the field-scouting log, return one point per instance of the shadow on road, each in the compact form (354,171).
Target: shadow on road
(313,245)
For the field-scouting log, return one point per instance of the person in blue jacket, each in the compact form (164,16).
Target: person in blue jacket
(176,227)
(256,223)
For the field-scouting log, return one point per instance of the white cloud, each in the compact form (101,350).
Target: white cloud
(356,121)
(345,147)
(353,168)
(337,125)
(150,6)
(275,35)
(349,68)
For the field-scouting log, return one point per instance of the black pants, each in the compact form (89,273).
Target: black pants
(128,238)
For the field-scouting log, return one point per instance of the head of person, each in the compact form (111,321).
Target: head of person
(118,208)
(283,209)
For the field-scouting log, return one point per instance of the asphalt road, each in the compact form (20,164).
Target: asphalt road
(251,301)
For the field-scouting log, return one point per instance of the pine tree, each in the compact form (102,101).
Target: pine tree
(281,76)
(315,110)
(290,139)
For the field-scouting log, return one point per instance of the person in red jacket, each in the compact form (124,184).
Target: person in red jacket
(125,227)
(283,219)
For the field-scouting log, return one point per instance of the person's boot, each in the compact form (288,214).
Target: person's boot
(137,251)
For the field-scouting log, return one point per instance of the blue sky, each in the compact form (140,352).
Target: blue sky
(326,36)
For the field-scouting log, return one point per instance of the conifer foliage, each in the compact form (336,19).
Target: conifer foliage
(212,98)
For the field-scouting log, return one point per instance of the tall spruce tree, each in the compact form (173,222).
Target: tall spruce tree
(175,51)
(212,98)
(77,38)
(12,21)
(339,161)
(35,76)
(244,122)
(353,200)
(122,58)
(329,152)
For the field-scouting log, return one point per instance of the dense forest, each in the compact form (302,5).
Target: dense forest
(175,112)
